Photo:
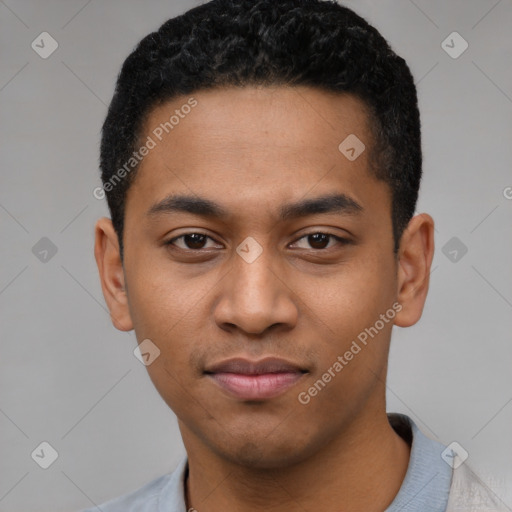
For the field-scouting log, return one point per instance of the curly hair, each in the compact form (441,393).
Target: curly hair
(316,43)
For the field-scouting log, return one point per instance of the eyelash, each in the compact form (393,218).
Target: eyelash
(342,241)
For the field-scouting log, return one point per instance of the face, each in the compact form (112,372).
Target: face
(283,249)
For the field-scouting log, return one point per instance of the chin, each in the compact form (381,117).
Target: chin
(260,452)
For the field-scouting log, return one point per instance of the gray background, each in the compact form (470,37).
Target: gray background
(68,377)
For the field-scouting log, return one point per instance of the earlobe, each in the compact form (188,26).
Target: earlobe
(414,261)
(108,260)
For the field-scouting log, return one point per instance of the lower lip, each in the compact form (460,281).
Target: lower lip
(256,387)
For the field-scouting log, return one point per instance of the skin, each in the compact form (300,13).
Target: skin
(252,150)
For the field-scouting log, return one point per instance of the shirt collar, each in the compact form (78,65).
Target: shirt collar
(427,482)
(426,485)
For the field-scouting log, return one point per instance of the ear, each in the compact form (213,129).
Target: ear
(108,259)
(415,258)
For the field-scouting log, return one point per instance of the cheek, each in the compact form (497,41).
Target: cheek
(346,310)
(347,301)
(168,316)
(160,300)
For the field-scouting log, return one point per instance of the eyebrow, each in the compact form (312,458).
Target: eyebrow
(334,203)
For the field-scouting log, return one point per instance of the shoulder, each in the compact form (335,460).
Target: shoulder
(468,493)
(144,499)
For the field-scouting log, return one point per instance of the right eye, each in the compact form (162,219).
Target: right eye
(190,241)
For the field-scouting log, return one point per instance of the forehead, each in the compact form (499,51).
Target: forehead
(307,116)
(254,140)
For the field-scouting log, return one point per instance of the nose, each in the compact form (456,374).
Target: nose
(254,297)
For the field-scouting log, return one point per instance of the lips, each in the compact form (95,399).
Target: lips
(244,366)
(255,380)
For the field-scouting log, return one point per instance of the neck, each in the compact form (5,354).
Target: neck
(361,469)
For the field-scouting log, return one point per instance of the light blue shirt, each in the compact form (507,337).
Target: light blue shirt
(426,485)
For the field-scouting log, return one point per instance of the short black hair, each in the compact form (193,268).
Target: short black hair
(316,43)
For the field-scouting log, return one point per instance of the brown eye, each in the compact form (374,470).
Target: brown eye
(319,241)
(190,241)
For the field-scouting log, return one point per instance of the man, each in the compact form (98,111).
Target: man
(261,161)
